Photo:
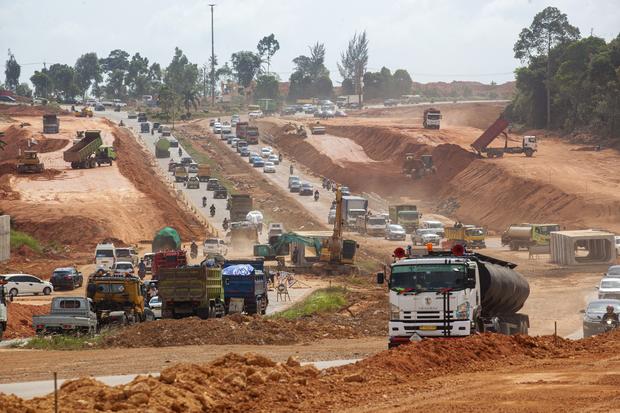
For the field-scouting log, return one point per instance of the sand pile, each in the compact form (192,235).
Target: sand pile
(20,319)
(17,138)
(236,383)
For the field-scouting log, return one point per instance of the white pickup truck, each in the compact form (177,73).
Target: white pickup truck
(68,315)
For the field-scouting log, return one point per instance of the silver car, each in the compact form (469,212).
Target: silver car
(593,316)
(609,288)
(395,232)
(155,306)
(613,271)
(423,236)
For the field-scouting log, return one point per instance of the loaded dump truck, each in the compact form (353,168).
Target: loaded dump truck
(240,205)
(162,148)
(166,239)
(432,118)
(453,294)
(481,145)
(468,236)
(204,172)
(118,299)
(83,153)
(245,281)
(51,124)
(526,235)
(191,291)
(406,216)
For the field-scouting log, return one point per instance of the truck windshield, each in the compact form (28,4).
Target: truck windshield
(376,221)
(475,232)
(433,116)
(104,254)
(408,215)
(421,278)
(547,229)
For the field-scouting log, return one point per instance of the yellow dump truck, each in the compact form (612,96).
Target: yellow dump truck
(466,235)
(204,173)
(118,299)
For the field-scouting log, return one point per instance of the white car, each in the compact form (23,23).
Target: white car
(255,114)
(226,129)
(214,246)
(618,245)
(123,268)
(609,288)
(25,284)
(269,168)
(155,306)
(274,158)
(265,152)
(217,129)
(395,232)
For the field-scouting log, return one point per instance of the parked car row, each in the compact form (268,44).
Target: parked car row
(594,318)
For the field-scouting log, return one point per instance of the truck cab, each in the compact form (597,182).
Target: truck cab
(453,294)
(118,298)
(68,314)
(105,256)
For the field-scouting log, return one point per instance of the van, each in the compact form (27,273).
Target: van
(105,256)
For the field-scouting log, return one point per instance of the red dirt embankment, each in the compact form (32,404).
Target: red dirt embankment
(20,319)
(236,383)
(28,110)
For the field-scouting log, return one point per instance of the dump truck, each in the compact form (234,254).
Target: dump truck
(432,118)
(406,216)
(162,148)
(453,294)
(83,153)
(353,207)
(118,299)
(191,291)
(166,239)
(417,167)
(241,130)
(468,236)
(51,124)
(252,135)
(29,162)
(240,205)
(180,174)
(243,234)
(204,173)
(249,288)
(528,146)
(373,225)
(526,235)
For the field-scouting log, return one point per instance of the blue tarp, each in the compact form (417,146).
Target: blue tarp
(239,269)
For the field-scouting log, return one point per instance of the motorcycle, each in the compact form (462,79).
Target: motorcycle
(609,324)
(225,225)
(212,211)
(316,196)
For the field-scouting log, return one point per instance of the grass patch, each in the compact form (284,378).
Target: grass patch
(19,239)
(202,158)
(325,300)
(61,342)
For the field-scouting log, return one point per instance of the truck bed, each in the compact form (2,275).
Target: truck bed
(83,149)
(490,134)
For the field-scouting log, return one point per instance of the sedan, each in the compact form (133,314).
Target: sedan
(265,152)
(217,129)
(613,271)
(226,129)
(593,315)
(244,152)
(68,277)
(122,268)
(609,288)
(25,284)
(258,163)
(252,157)
(155,306)
(274,158)
(340,114)
(306,189)
(213,184)
(230,138)
(269,168)
(294,186)
(395,232)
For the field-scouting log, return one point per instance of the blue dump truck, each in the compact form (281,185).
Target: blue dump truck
(245,280)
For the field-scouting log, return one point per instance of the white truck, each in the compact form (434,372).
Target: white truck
(348,101)
(105,256)
(373,225)
(453,294)
(68,315)
(353,207)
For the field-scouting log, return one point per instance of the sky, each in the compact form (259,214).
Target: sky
(435,40)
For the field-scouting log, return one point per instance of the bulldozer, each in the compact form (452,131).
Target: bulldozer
(29,162)
(84,113)
(418,167)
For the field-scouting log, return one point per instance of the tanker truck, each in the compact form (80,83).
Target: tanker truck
(453,294)
(527,235)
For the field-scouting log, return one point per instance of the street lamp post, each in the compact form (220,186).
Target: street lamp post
(212,60)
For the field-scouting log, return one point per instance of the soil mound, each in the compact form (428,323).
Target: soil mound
(239,383)
(17,139)
(27,110)
(20,319)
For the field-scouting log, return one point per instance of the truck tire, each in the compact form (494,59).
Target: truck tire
(514,246)
(202,312)
(93,163)
(528,152)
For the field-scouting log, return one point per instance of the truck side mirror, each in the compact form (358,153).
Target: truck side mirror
(470,281)
(380,278)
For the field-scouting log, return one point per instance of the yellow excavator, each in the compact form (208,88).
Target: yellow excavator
(29,162)
(337,254)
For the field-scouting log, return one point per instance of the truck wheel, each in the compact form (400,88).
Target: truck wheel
(514,246)
(202,313)
(93,163)
(529,152)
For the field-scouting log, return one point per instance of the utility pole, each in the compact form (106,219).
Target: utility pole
(212,60)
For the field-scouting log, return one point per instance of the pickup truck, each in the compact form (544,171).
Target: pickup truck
(68,315)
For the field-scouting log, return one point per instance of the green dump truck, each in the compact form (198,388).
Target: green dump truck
(83,153)
(162,148)
(191,291)
(166,239)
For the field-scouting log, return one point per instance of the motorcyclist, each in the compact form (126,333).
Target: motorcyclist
(212,209)
(180,152)
(152,131)
(610,314)
(193,249)
(291,169)
(225,224)
(316,195)
(280,157)
(121,123)
(204,201)
(141,268)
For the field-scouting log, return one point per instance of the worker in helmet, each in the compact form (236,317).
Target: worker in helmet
(610,314)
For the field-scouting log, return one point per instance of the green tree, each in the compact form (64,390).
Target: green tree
(63,80)
(549,28)
(245,66)
(11,72)
(402,82)
(117,60)
(267,87)
(115,87)
(168,101)
(42,83)
(137,77)
(23,90)
(353,61)
(87,71)
(267,47)
(310,77)
(181,77)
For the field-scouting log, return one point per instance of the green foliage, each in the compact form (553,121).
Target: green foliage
(62,342)
(267,87)
(19,239)
(311,77)
(584,88)
(267,47)
(87,71)
(324,300)
(245,66)
(354,59)
(383,84)
(23,90)
(11,72)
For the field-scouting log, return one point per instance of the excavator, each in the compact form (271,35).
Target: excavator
(28,162)
(418,167)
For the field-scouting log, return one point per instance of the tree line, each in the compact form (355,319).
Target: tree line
(569,82)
